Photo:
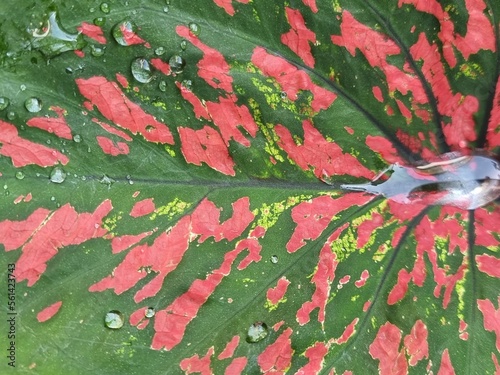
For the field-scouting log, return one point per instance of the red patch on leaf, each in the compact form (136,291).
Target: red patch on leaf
(486,226)
(446,368)
(461,109)
(277,357)
(322,279)
(138,318)
(385,348)
(367,227)
(24,152)
(416,343)
(311,4)
(316,356)
(57,125)
(111,148)
(349,331)
(376,47)
(116,107)
(213,68)
(313,217)
(493,132)
(48,312)
(130,37)
(274,295)
(92,31)
(236,366)
(291,79)
(298,38)
(230,348)
(144,207)
(121,243)
(480,32)
(377,93)
(206,145)
(385,148)
(325,157)
(362,280)
(200,110)
(195,364)
(63,227)
(112,130)
(227,5)
(488,264)
(122,80)
(14,234)
(162,66)
(491,317)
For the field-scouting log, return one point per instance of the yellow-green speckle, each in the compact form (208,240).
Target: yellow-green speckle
(269,213)
(109,222)
(271,306)
(170,150)
(171,209)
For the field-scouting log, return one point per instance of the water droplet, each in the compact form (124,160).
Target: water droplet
(106,180)
(114,319)
(257,332)
(33,105)
(283,95)
(4,103)
(463,181)
(149,312)
(159,51)
(99,21)
(177,64)
(166,8)
(162,86)
(11,115)
(183,44)
(77,138)
(105,8)
(194,28)
(274,259)
(69,70)
(187,84)
(141,70)
(97,51)
(19,175)
(52,40)
(22,87)
(57,175)
(123,31)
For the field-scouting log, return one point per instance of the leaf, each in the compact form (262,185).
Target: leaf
(167,161)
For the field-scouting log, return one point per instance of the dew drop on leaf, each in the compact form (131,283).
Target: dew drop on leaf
(33,105)
(11,115)
(162,86)
(19,175)
(159,51)
(187,84)
(257,332)
(122,32)
(22,87)
(77,138)
(57,175)
(177,64)
(194,28)
(274,259)
(166,8)
(114,319)
(141,70)
(97,51)
(183,44)
(455,179)
(52,40)
(149,312)
(99,21)
(4,103)
(105,8)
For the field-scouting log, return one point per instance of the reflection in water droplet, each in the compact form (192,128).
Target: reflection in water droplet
(177,64)
(187,84)
(149,312)
(257,332)
(105,8)
(52,40)
(97,51)
(159,51)
(11,115)
(114,319)
(99,21)
(33,105)
(141,70)
(463,181)
(123,31)
(274,259)
(183,44)
(4,103)
(166,8)
(57,175)
(194,28)
(162,86)
(19,175)
(77,138)
(106,180)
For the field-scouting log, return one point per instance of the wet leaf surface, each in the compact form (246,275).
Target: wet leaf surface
(164,162)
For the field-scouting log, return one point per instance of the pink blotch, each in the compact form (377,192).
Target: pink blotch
(274,295)
(385,348)
(92,31)
(377,93)
(416,343)
(111,148)
(142,208)
(56,125)
(446,367)
(121,243)
(277,357)
(316,356)
(299,36)
(195,364)
(231,346)
(48,312)
(491,318)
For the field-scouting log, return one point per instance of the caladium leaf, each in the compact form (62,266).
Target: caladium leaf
(163,202)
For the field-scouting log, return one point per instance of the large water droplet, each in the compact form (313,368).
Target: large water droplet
(194,28)
(52,40)
(124,31)
(19,175)
(114,319)
(4,103)
(141,70)
(57,175)
(257,332)
(177,64)
(463,181)
(33,105)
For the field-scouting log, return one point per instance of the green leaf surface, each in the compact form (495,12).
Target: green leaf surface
(166,161)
